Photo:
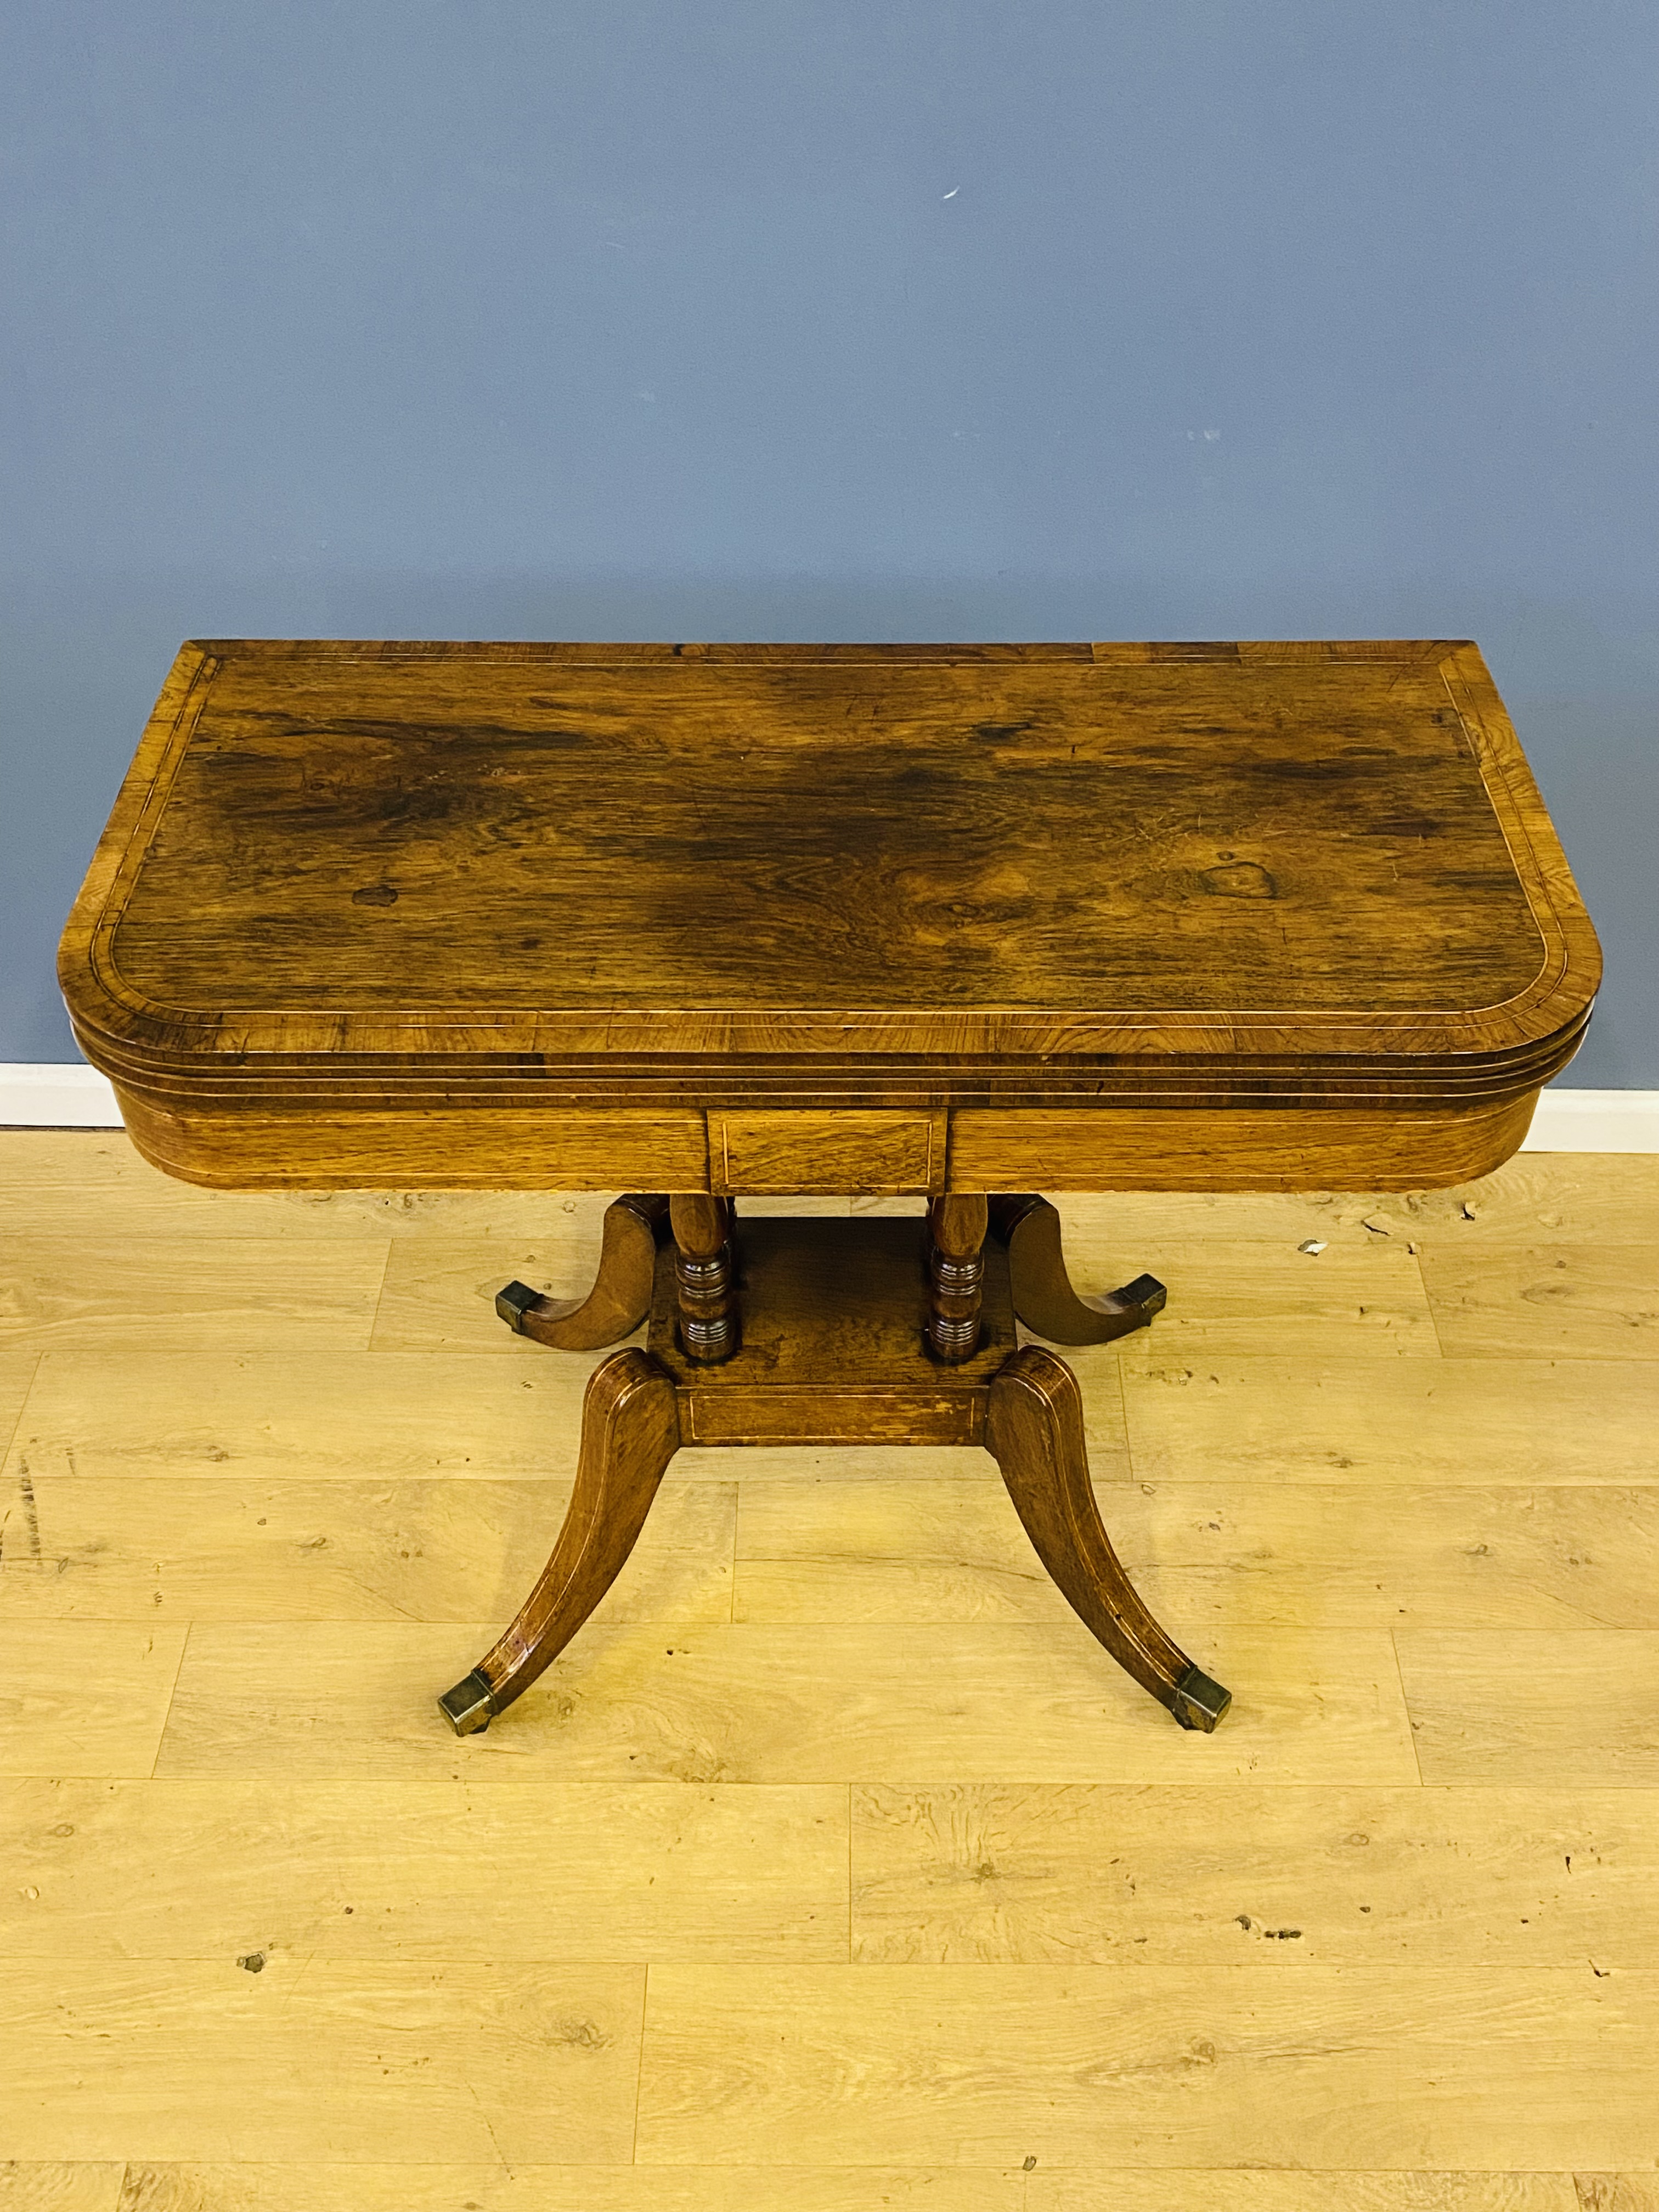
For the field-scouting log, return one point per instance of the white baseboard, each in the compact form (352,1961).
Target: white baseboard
(45,1095)
(1595,1121)
(40,1095)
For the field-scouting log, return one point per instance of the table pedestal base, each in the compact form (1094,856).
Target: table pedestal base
(836,1348)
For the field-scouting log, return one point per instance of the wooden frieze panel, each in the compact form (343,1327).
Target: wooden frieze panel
(807,1153)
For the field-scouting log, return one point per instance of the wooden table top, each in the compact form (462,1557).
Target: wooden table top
(854,876)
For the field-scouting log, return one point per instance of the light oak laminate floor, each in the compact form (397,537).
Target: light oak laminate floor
(834,1867)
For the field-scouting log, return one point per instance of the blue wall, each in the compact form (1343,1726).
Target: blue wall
(844,317)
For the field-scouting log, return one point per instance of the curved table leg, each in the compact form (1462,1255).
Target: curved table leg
(1035,1433)
(630,1431)
(1043,1297)
(621,1296)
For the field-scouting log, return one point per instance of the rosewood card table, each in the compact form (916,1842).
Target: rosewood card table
(959,921)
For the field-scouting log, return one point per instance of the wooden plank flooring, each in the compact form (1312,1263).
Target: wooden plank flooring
(1104,1871)
(833,1866)
(1080,2066)
(192,1548)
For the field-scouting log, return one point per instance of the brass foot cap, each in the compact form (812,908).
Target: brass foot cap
(470,1706)
(1199,1702)
(1146,1292)
(512,1302)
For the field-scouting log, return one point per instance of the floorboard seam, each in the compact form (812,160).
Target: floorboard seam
(166,1716)
(1124,1415)
(736,1512)
(1428,1301)
(22,1407)
(380,1297)
(1405,1700)
(639,2069)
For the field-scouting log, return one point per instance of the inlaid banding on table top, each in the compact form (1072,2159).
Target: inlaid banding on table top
(368,881)
(541,1084)
(608,653)
(1067,843)
(901,1081)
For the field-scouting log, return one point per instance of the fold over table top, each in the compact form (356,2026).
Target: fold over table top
(383,876)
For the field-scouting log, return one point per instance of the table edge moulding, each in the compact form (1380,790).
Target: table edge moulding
(257,1097)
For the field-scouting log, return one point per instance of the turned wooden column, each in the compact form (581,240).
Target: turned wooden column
(705,1275)
(955,1267)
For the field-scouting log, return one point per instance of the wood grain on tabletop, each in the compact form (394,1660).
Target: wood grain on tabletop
(1011,1873)
(316,798)
(775,881)
(846,1702)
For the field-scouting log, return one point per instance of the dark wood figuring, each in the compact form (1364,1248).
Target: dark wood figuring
(735,891)
(621,1296)
(1043,1294)
(956,1269)
(783,830)
(838,1316)
(1035,1433)
(629,1433)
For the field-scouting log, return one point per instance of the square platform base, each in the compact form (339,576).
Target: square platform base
(833,1349)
